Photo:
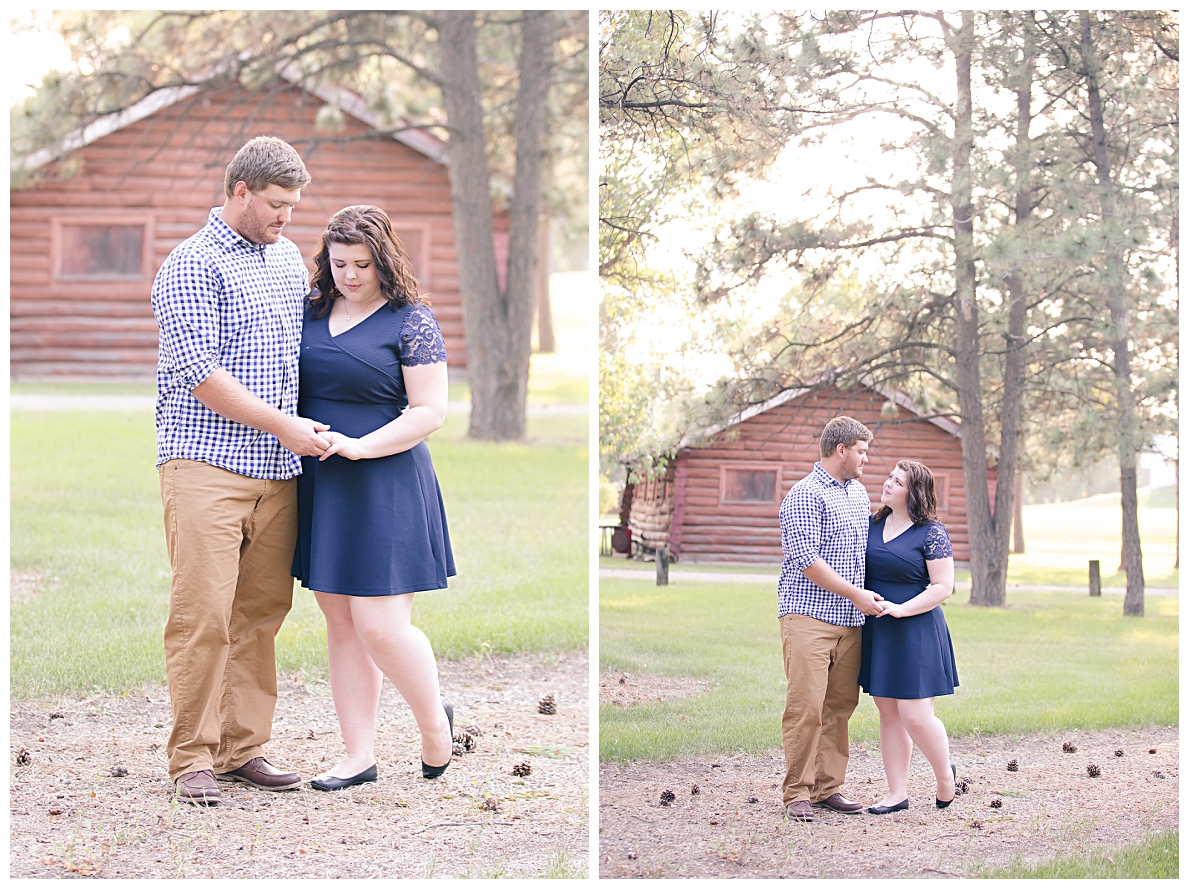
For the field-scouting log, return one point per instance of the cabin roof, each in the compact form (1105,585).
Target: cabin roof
(901,399)
(349,101)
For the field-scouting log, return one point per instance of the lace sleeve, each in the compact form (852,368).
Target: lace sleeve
(421,339)
(937,543)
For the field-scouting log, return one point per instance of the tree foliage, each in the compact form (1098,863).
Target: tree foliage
(996,286)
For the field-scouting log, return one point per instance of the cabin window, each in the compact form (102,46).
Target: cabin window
(750,484)
(416,241)
(96,250)
(941,487)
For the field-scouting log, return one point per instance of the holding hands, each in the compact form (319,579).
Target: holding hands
(343,445)
(869,603)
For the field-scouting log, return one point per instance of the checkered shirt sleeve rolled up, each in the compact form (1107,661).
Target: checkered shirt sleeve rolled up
(823,519)
(223,302)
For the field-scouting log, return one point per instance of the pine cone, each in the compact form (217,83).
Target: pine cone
(1118,752)
(1069,747)
(962,786)
(522,770)
(694,791)
(1013,766)
(752,799)
(23,757)
(465,739)
(547,706)
(457,750)
(1153,750)
(1093,771)
(1158,774)
(667,797)
(997,803)
(119,772)
(490,804)
(473,730)
(976,824)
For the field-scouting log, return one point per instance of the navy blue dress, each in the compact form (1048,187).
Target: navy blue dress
(906,657)
(369,527)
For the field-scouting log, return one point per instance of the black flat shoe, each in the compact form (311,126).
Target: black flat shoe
(940,803)
(332,783)
(883,810)
(428,771)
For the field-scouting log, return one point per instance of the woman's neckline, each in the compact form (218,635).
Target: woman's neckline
(898,534)
(361,321)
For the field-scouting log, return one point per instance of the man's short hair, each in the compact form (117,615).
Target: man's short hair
(842,431)
(265,161)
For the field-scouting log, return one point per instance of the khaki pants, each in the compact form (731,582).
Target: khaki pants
(231,541)
(821,663)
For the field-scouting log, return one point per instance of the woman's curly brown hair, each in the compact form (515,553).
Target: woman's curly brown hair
(370,226)
(922,494)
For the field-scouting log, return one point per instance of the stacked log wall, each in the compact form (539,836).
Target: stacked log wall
(787,436)
(167,170)
(651,511)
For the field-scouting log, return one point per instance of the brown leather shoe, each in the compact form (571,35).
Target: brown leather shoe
(198,788)
(839,803)
(260,774)
(799,810)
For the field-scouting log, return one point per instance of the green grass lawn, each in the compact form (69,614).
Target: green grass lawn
(86,520)
(1156,858)
(1050,660)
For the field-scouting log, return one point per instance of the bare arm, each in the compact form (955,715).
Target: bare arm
(228,397)
(940,588)
(426,385)
(821,574)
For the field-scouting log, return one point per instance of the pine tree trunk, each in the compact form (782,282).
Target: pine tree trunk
(546,342)
(988,567)
(498,324)
(1119,338)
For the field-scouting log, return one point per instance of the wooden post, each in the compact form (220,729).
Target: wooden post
(1095,578)
(662,566)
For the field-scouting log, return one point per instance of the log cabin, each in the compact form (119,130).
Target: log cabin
(719,502)
(84,248)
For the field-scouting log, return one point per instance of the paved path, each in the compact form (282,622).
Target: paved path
(28,402)
(729,577)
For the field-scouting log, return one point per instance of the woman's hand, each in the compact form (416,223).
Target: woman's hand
(890,609)
(343,445)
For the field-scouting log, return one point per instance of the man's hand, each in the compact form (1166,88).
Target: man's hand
(300,436)
(868,603)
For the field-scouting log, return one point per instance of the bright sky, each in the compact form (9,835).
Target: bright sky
(32,54)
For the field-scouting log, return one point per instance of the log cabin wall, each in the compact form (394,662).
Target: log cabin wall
(732,489)
(151,184)
(651,511)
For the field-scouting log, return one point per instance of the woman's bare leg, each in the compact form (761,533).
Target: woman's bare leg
(895,746)
(928,733)
(406,657)
(354,684)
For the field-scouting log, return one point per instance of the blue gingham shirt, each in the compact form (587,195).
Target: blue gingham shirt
(822,518)
(222,301)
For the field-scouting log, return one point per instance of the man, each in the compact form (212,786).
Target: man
(823,526)
(229,301)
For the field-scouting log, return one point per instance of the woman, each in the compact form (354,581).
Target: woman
(372,527)
(908,658)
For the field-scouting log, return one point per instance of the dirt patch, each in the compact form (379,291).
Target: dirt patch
(22,587)
(627,688)
(734,825)
(70,815)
